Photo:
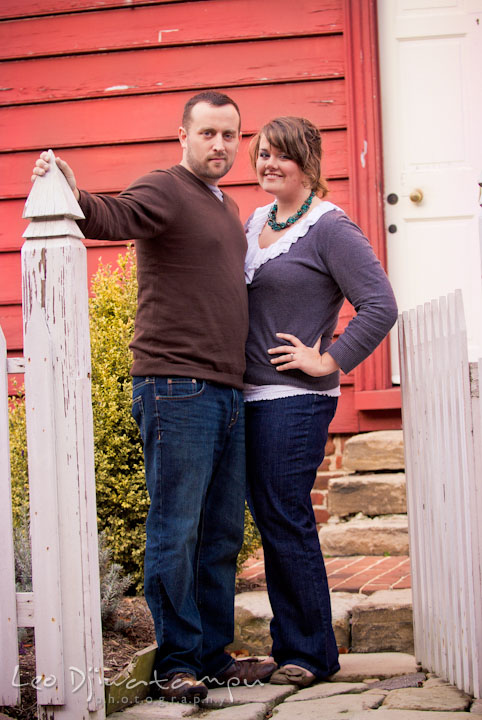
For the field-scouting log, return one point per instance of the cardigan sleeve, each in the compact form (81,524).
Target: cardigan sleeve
(358,273)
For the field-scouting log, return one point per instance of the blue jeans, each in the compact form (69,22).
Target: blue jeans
(285,442)
(193,437)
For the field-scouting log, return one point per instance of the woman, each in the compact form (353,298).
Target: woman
(305,256)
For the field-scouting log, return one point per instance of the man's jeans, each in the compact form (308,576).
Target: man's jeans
(193,436)
(285,443)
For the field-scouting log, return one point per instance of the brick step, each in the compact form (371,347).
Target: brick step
(384,535)
(372,494)
(356,574)
(381,622)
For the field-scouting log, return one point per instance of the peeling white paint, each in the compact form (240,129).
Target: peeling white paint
(166,31)
(363,154)
(119,87)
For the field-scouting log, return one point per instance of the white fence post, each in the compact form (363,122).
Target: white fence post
(9,694)
(65,573)
(444,501)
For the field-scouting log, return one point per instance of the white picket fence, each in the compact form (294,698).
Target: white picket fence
(442,415)
(64,607)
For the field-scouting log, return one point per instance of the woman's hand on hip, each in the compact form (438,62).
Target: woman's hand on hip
(302,357)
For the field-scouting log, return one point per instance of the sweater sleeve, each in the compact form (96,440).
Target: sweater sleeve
(354,266)
(141,211)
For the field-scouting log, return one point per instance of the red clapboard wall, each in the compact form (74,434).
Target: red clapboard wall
(104,83)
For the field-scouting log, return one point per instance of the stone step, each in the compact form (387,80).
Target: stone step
(381,622)
(379,450)
(387,534)
(372,494)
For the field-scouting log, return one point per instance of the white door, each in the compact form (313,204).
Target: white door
(431,90)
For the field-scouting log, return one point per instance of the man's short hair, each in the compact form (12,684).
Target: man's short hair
(212,97)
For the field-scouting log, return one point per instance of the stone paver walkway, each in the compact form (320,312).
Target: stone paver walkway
(388,685)
(365,574)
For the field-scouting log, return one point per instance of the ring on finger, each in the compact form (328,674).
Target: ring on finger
(292,356)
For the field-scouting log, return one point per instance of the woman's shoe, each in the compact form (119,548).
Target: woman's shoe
(293,675)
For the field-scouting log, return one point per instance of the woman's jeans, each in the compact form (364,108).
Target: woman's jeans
(285,441)
(193,436)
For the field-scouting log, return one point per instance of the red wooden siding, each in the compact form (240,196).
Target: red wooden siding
(104,84)
(148,26)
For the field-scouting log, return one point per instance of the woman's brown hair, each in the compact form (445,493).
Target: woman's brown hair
(301,141)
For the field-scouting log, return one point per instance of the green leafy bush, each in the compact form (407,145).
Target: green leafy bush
(122,499)
(252,539)
(18,456)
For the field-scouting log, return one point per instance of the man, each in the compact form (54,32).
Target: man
(188,347)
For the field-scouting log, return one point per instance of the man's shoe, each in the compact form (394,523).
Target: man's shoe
(244,672)
(180,686)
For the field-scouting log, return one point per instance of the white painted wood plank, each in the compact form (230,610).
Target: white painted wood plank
(414,518)
(463,428)
(55,274)
(44,510)
(468,494)
(9,695)
(450,505)
(25,610)
(477,532)
(89,541)
(446,623)
(416,319)
(16,365)
(430,495)
(411,456)
(432,549)
(440,480)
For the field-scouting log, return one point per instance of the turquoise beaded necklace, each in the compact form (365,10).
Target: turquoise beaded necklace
(276,226)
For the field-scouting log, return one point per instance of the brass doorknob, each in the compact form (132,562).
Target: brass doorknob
(416,196)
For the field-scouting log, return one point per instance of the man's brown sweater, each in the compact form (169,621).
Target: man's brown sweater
(192,316)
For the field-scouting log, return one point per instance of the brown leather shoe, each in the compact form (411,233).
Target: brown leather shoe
(244,672)
(180,686)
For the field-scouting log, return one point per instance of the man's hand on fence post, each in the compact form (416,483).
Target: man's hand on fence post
(42,166)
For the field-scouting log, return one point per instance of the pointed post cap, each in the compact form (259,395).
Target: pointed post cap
(51,196)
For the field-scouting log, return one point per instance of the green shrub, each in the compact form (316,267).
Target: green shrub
(18,456)
(252,539)
(22,553)
(122,499)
